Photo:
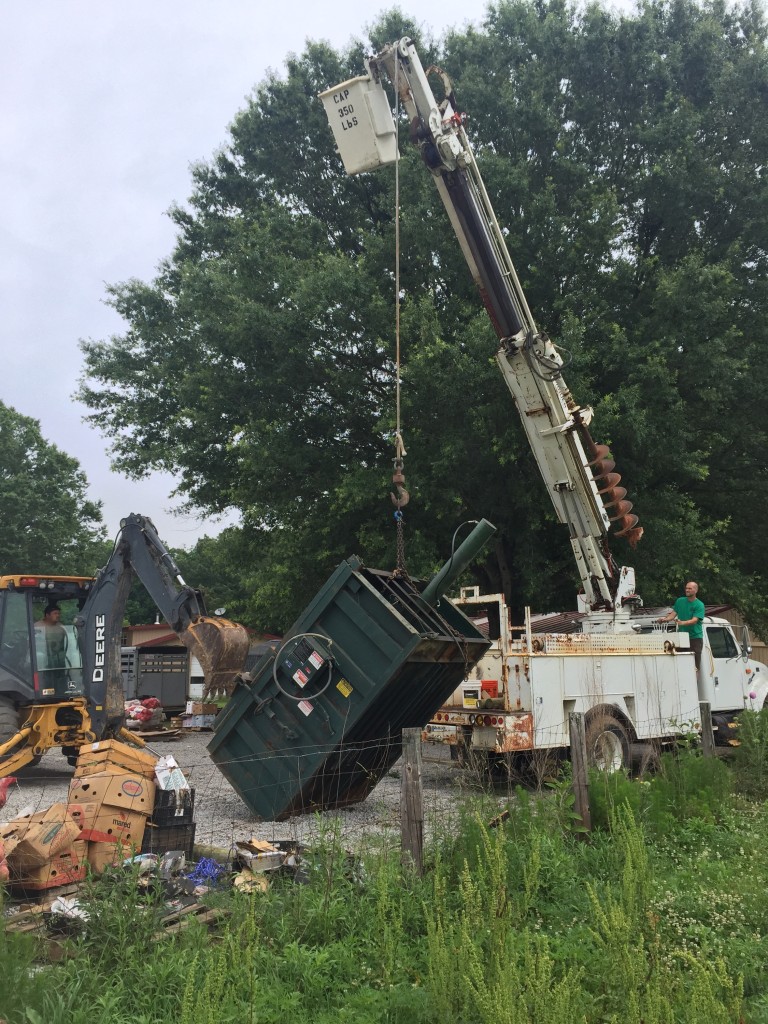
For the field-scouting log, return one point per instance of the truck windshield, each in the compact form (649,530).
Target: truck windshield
(57,655)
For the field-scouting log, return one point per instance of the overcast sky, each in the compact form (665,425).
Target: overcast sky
(104,107)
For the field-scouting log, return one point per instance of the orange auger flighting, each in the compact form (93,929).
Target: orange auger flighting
(613,496)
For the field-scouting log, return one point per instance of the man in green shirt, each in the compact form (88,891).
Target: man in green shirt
(688,614)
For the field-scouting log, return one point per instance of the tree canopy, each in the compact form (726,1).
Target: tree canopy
(46,522)
(626,156)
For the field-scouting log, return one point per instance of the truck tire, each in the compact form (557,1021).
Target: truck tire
(607,743)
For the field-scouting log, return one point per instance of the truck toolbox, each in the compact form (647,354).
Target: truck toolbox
(320,722)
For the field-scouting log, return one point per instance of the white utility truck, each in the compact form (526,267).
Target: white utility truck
(634,683)
(518,698)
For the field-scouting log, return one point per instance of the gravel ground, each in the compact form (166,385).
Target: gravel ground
(222,817)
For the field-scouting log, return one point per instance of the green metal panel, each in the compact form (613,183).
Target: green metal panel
(319,726)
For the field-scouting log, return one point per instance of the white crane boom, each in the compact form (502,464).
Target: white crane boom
(577,473)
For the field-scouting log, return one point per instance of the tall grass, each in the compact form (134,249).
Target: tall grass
(750,760)
(660,916)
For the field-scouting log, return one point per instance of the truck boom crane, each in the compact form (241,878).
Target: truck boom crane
(578,473)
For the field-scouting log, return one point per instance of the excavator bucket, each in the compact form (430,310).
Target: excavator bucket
(221,647)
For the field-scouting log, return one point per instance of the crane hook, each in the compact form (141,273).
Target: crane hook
(399,496)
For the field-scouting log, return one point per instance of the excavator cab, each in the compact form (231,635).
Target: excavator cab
(41,669)
(40,662)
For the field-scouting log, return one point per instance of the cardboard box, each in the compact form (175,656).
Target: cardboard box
(84,814)
(63,868)
(31,841)
(83,771)
(102,855)
(112,825)
(132,792)
(97,758)
(168,775)
(199,707)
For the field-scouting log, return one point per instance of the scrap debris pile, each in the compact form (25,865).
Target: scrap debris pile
(129,814)
(122,801)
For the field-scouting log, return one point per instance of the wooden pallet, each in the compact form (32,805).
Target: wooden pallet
(31,919)
(180,919)
(29,916)
(157,734)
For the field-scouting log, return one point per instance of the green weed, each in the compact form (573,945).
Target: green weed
(750,757)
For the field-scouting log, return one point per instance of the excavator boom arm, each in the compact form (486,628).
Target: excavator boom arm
(220,646)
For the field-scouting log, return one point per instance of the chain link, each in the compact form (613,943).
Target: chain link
(400,569)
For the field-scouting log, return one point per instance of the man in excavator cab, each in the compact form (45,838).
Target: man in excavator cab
(52,643)
(60,674)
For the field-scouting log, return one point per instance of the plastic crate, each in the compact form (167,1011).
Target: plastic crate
(172,808)
(170,837)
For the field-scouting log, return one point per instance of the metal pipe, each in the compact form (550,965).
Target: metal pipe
(458,562)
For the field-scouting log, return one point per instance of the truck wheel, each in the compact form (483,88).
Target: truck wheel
(607,744)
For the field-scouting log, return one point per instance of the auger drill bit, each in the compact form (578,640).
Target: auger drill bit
(613,495)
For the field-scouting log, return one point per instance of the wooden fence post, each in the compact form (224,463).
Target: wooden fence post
(579,768)
(412,803)
(707,732)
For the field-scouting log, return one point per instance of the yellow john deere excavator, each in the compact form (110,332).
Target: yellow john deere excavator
(60,677)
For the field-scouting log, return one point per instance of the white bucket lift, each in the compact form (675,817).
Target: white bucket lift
(362,123)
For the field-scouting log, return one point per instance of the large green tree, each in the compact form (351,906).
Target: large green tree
(626,154)
(47,524)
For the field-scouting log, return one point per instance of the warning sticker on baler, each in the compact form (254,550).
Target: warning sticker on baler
(306,707)
(343,687)
(299,678)
(316,659)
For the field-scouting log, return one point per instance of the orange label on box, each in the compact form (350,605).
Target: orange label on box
(132,787)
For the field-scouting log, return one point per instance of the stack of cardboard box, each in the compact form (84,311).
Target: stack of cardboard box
(111,802)
(44,850)
(111,797)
